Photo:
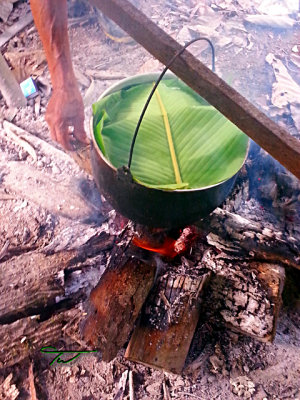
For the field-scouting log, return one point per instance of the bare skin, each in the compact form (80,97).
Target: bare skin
(65,108)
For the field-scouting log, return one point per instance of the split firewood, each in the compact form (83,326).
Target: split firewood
(10,131)
(166,391)
(117,301)
(45,148)
(121,386)
(118,298)
(131,386)
(168,322)
(35,280)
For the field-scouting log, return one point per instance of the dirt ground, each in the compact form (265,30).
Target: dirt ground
(245,368)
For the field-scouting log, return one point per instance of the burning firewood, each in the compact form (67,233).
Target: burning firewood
(247,297)
(168,321)
(117,300)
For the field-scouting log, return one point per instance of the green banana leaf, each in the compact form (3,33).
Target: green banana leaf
(207,147)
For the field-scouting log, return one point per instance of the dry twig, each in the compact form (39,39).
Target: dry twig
(131,387)
(166,391)
(31,383)
(4,249)
(121,386)
(15,133)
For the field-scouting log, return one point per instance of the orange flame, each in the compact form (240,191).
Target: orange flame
(170,247)
(167,249)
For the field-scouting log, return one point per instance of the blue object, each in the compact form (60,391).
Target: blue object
(29,88)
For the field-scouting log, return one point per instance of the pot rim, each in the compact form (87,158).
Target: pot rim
(146,78)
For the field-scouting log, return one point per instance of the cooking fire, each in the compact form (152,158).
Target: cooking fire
(173,278)
(149,199)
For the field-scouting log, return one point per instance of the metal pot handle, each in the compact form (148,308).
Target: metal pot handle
(157,83)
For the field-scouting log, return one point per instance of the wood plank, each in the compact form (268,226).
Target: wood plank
(270,136)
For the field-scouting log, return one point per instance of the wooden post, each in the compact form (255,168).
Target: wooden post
(169,319)
(270,136)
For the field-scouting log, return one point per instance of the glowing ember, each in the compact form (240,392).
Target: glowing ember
(170,247)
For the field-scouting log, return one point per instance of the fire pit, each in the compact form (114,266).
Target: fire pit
(173,279)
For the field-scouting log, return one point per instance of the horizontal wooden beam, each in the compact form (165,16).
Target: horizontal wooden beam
(271,137)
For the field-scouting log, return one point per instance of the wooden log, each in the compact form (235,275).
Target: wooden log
(168,322)
(28,335)
(58,197)
(270,136)
(117,299)
(242,237)
(32,282)
(248,297)
(9,86)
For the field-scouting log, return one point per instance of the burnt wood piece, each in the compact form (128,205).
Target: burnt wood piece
(36,289)
(32,282)
(270,136)
(248,297)
(240,237)
(118,298)
(168,322)
(28,335)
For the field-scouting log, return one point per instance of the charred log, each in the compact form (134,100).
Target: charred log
(243,238)
(246,297)
(117,299)
(168,322)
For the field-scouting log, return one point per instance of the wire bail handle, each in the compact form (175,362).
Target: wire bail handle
(157,83)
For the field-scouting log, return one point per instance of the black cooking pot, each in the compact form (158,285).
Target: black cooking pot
(148,206)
